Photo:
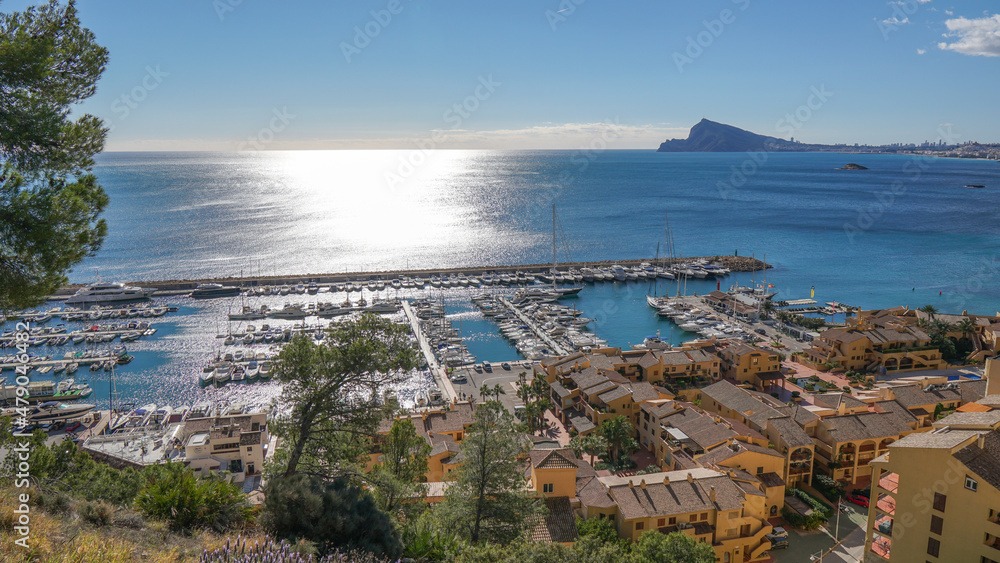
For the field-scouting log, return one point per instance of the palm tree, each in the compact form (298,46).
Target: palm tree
(931,310)
(618,432)
(592,444)
(967,327)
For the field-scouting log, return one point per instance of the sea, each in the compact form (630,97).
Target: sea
(906,231)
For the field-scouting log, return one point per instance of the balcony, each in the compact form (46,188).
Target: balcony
(889,482)
(881,546)
(992,541)
(886,504)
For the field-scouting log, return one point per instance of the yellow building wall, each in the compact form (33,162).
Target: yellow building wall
(563,481)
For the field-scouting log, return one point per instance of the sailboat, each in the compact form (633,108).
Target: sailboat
(563,291)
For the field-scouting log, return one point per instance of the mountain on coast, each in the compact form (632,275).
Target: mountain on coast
(710,136)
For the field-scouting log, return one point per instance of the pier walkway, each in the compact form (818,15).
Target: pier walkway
(559,350)
(439,372)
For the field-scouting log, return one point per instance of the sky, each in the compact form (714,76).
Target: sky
(538,74)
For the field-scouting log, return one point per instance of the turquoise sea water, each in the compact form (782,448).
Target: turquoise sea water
(905,231)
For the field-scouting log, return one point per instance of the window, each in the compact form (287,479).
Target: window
(933,547)
(937,523)
(760,470)
(548,488)
(971,483)
(704,516)
(601,517)
(673,521)
(939,502)
(640,525)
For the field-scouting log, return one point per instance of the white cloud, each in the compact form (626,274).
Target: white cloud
(949,13)
(921,51)
(896,21)
(980,36)
(543,136)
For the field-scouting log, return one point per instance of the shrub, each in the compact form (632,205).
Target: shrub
(96,513)
(831,489)
(333,514)
(187,502)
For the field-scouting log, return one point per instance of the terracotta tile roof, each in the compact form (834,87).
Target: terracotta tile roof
(559,525)
(553,459)
(615,394)
(648,360)
(643,391)
(864,426)
(593,493)
(912,396)
(983,461)
(771,480)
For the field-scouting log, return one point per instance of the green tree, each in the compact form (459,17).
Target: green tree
(677,547)
(488,501)
(175,494)
(403,455)
(333,515)
(618,432)
(335,391)
(49,203)
(535,396)
(593,444)
(931,310)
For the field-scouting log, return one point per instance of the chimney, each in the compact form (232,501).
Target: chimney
(711,494)
(642,484)
(982,441)
(631,485)
(690,477)
(666,480)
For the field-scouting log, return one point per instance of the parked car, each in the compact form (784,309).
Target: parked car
(862,493)
(858,500)
(779,532)
(519,411)
(760,331)
(505,365)
(776,542)
(73,426)
(478,368)
(487,367)
(459,378)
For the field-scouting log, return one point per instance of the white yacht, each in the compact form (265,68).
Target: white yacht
(109,292)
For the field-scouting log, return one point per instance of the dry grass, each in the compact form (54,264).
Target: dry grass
(64,536)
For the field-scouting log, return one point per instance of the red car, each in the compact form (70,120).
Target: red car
(73,426)
(858,500)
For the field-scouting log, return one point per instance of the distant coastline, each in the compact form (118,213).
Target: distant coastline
(711,136)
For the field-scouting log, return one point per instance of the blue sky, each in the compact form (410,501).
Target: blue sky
(224,74)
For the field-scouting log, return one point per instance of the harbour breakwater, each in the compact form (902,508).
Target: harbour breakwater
(733,263)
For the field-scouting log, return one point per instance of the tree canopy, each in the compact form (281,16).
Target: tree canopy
(335,392)
(49,203)
(488,500)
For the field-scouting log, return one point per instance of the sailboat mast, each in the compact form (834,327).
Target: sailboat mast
(553,246)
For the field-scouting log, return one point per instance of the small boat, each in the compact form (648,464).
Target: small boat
(206,378)
(253,369)
(222,375)
(72,367)
(264,372)
(975,186)
(238,375)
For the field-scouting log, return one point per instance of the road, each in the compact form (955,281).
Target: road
(506,378)
(802,545)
